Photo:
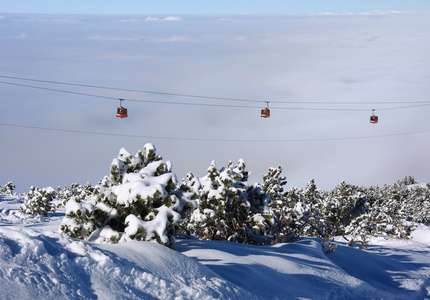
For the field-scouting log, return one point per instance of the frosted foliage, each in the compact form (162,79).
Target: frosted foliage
(273,182)
(372,224)
(228,208)
(191,185)
(156,227)
(141,200)
(7,189)
(150,153)
(357,213)
(39,201)
(75,191)
(79,221)
(138,201)
(259,224)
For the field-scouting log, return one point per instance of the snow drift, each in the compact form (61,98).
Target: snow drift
(38,262)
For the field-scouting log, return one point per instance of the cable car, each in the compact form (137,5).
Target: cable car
(373,118)
(121,112)
(265,112)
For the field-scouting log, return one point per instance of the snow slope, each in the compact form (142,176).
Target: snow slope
(37,262)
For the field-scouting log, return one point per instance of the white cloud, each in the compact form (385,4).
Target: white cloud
(172,18)
(152,19)
(296,58)
(169,18)
(106,37)
(364,13)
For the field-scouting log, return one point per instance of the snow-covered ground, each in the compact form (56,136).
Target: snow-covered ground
(37,262)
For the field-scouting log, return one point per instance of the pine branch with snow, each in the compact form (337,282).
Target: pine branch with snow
(39,201)
(223,205)
(7,189)
(76,191)
(137,201)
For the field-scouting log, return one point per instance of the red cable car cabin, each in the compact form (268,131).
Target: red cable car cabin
(373,119)
(265,113)
(121,112)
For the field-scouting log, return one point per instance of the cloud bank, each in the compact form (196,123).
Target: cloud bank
(322,76)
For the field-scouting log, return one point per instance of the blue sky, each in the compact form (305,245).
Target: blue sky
(203,6)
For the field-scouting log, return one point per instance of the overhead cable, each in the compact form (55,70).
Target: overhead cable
(203,96)
(220,105)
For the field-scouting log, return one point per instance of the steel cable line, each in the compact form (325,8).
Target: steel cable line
(56,90)
(211,139)
(125,99)
(222,105)
(161,102)
(205,96)
(132,90)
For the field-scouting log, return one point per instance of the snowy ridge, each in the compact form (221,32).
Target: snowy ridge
(48,265)
(301,270)
(37,262)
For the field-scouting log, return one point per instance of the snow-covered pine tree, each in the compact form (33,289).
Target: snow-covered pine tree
(189,190)
(230,209)
(388,211)
(273,188)
(417,206)
(393,199)
(264,199)
(277,216)
(39,201)
(408,200)
(7,189)
(138,201)
(204,219)
(273,184)
(307,210)
(75,190)
(223,205)
(374,223)
(343,204)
